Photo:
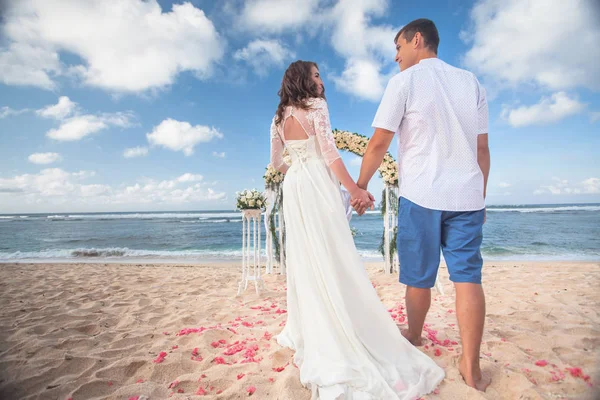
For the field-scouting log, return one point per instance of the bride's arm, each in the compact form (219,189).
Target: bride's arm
(322,125)
(277,150)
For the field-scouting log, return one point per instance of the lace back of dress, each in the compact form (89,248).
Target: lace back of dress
(315,123)
(302,149)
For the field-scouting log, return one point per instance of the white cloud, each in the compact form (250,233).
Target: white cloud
(548,110)
(504,184)
(187,177)
(29,65)
(263,54)
(54,186)
(8,112)
(138,47)
(595,116)
(181,136)
(60,110)
(49,182)
(219,155)
(516,42)
(361,78)
(44,158)
(367,48)
(591,185)
(135,152)
(562,187)
(276,16)
(78,127)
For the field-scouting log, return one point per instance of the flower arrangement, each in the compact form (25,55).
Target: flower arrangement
(347,141)
(250,200)
(273,178)
(357,144)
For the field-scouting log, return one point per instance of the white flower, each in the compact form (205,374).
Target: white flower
(251,203)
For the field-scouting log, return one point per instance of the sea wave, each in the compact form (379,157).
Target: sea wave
(124,253)
(201,216)
(526,209)
(119,253)
(129,255)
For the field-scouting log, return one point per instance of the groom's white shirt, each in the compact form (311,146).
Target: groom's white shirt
(437,111)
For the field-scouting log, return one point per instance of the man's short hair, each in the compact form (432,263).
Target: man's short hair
(426,28)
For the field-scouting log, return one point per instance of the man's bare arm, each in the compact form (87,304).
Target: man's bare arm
(483,159)
(376,149)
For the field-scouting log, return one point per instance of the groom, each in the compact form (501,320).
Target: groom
(440,115)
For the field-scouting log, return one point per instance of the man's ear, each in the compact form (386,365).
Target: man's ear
(417,39)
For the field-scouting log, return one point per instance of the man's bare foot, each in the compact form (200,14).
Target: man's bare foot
(414,340)
(474,378)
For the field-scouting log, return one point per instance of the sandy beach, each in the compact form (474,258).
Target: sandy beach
(141,331)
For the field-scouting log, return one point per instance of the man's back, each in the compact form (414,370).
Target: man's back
(437,111)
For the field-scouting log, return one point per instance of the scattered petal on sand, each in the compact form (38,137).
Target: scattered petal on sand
(200,391)
(577,372)
(160,358)
(279,369)
(251,390)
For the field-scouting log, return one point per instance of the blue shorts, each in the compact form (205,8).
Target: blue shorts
(423,232)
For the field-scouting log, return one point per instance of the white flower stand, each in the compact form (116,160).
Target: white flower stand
(251,230)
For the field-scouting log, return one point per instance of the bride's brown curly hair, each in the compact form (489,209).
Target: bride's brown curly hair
(297,86)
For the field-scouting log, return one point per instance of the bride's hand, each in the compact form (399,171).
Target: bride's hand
(361,200)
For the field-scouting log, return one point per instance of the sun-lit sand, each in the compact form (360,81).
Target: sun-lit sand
(117,331)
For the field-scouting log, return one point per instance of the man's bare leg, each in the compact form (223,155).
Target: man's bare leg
(470,311)
(417,304)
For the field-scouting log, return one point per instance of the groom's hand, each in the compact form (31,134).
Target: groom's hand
(361,203)
(361,206)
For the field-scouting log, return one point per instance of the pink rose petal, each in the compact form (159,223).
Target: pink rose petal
(200,391)
(160,358)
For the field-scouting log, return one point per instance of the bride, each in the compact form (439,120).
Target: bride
(346,344)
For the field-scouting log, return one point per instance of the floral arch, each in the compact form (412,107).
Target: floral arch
(388,171)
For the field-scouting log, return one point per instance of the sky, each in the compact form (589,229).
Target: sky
(135,105)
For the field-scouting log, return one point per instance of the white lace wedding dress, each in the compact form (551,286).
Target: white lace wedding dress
(347,345)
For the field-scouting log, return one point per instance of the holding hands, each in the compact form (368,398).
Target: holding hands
(361,200)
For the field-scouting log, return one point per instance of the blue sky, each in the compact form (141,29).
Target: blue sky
(167,105)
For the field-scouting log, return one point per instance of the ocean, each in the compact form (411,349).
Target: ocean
(512,232)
